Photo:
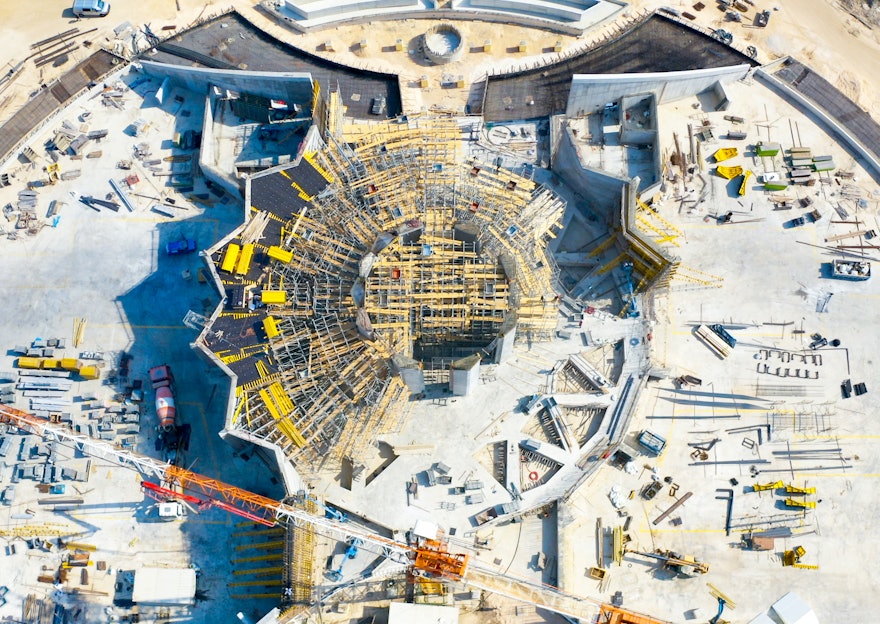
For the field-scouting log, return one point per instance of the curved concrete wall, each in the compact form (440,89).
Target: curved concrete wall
(583,13)
(287,19)
(333,9)
(590,92)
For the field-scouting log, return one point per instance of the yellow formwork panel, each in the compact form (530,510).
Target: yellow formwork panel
(286,427)
(230,257)
(762,487)
(282,255)
(29,362)
(270,404)
(259,571)
(791,502)
(266,582)
(744,186)
(282,399)
(262,545)
(50,364)
(274,296)
(244,260)
(792,489)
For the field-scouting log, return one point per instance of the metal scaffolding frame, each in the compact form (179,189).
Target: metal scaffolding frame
(406,247)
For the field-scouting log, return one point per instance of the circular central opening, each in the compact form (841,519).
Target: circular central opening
(443,42)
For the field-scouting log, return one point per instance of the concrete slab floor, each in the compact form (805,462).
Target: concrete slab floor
(111,269)
(772,281)
(769,279)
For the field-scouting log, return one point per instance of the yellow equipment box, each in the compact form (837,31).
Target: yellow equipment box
(270,326)
(230,257)
(89,372)
(244,260)
(729,173)
(274,296)
(725,153)
(282,255)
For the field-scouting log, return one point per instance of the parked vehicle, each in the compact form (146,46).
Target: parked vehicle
(161,378)
(90,8)
(182,246)
(173,437)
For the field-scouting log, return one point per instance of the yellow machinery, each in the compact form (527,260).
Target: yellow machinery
(762,487)
(791,489)
(792,558)
(54,170)
(725,153)
(744,186)
(729,173)
(274,296)
(683,565)
(230,258)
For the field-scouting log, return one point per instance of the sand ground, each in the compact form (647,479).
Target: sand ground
(821,33)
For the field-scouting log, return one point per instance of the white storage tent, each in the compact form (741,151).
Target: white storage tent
(164,586)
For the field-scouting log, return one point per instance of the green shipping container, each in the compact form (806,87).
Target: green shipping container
(775,186)
(767,149)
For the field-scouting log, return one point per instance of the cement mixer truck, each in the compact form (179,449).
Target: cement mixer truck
(173,437)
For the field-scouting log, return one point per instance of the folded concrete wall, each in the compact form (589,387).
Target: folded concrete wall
(600,189)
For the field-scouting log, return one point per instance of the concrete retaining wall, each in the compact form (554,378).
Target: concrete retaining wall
(207,158)
(590,92)
(294,87)
(314,9)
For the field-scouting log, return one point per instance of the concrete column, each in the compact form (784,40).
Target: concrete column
(505,340)
(464,375)
(410,372)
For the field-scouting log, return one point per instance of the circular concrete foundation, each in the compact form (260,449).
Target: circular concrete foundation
(443,43)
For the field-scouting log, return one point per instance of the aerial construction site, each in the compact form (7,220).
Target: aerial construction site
(406,312)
